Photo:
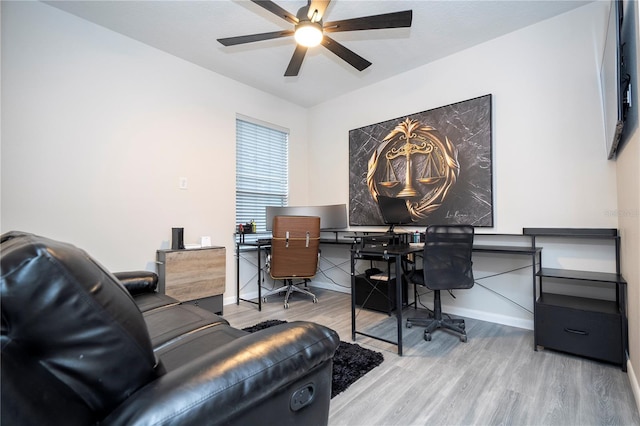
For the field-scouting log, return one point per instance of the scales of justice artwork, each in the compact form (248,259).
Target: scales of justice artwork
(438,161)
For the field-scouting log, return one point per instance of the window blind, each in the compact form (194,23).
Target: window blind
(262,171)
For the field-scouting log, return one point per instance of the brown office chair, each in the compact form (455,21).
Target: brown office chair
(294,253)
(447,265)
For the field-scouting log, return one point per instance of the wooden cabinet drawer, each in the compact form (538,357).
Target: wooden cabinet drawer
(587,333)
(192,274)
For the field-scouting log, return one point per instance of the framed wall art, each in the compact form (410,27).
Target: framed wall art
(439,162)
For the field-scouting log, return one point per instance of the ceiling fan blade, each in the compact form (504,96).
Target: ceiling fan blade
(231,41)
(320,6)
(277,10)
(373,22)
(296,61)
(355,60)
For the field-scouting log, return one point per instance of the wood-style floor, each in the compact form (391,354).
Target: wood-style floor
(496,378)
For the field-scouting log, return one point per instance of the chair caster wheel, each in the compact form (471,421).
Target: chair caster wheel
(427,336)
(286,306)
(264,300)
(409,325)
(315,300)
(462,326)
(463,338)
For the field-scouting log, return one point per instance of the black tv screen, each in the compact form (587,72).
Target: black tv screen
(613,81)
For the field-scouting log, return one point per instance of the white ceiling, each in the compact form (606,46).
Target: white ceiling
(189,29)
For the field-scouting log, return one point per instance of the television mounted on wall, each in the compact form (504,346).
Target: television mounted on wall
(614,81)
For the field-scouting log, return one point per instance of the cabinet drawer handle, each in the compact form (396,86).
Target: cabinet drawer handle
(580,332)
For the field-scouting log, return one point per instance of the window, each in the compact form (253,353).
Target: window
(262,171)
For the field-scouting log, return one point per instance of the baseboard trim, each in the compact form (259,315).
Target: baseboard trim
(526,324)
(250,295)
(331,286)
(633,380)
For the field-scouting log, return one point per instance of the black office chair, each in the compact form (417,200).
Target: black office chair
(294,253)
(447,265)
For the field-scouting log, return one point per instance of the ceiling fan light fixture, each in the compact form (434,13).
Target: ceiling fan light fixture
(308,34)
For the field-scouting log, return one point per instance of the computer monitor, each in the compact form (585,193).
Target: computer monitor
(394,211)
(332,217)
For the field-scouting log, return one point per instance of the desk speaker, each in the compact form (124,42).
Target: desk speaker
(177,238)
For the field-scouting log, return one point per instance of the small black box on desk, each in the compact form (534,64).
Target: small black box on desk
(378,292)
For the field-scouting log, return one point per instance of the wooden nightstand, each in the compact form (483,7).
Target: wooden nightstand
(195,276)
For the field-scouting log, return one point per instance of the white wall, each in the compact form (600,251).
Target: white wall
(549,162)
(549,167)
(98,128)
(629,212)
(628,167)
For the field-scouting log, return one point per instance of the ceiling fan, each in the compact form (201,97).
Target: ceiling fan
(310,31)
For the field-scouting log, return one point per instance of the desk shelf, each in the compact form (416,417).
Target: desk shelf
(603,277)
(589,327)
(579,303)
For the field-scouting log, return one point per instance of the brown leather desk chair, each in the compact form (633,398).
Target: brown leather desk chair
(294,253)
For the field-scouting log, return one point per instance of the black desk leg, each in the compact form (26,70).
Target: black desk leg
(535,273)
(237,273)
(353,297)
(622,290)
(259,277)
(399,300)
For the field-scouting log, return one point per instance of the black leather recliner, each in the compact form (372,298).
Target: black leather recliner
(77,350)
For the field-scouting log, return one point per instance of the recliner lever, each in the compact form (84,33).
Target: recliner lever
(302,397)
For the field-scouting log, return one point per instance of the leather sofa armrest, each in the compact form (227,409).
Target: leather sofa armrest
(233,379)
(138,282)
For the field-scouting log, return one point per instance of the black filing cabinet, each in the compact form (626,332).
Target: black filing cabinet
(581,326)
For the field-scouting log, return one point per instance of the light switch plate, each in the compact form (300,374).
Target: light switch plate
(183,183)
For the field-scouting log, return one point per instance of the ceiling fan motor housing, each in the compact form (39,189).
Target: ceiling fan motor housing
(304,14)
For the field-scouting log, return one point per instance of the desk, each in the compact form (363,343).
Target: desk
(398,252)
(402,251)
(534,252)
(260,244)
